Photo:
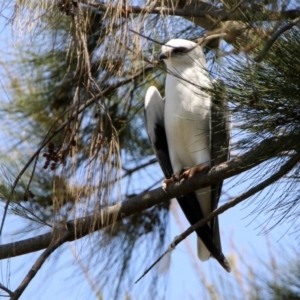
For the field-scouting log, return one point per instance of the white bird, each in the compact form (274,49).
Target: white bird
(190,131)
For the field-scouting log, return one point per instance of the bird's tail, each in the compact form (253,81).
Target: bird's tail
(191,208)
(214,243)
(204,254)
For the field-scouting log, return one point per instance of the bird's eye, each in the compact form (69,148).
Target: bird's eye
(180,50)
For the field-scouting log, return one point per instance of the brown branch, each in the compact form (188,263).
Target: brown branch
(274,37)
(204,10)
(83,226)
(38,264)
(5,289)
(231,203)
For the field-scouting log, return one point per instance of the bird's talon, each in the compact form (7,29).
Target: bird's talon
(174,178)
(192,171)
(164,186)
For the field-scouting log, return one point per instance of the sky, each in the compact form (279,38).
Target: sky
(237,228)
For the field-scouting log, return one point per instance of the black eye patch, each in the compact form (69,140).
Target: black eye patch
(180,50)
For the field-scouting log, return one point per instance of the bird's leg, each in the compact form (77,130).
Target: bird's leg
(175,178)
(193,170)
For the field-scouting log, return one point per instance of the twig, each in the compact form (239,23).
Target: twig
(5,289)
(171,247)
(83,226)
(233,202)
(132,170)
(227,15)
(38,264)
(205,38)
(208,36)
(4,215)
(146,37)
(274,37)
(81,108)
(129,172)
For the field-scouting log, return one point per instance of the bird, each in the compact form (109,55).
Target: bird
(189,132)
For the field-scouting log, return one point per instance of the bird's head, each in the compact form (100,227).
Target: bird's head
(178,52)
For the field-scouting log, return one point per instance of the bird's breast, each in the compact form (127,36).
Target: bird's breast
(187,113)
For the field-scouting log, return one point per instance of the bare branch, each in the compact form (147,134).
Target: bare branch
(231,203)
(81,227)
(38,264)
(141,166)
(5,289)
(205,11)
(274,37)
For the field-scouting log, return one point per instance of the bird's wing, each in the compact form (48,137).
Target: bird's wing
(220,139)
(154,116)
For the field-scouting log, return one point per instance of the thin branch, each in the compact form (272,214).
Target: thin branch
(129,172)
(227,15)
(5,289)
(38,264)
(148,38)
(86,225)
(147,270)
(80,109)
(4,214)
(233,202)
(141,166)
(274,37)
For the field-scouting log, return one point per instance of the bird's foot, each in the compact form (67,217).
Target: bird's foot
(192,171)
(175,178)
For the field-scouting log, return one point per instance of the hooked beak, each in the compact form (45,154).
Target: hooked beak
(163,56)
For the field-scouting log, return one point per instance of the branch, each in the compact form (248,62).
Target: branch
(274,37)
(204,10)
(227,15)
(233,202)
(83,226)
(37,265)
(5,289)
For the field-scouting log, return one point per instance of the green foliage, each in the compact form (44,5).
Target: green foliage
(266,95)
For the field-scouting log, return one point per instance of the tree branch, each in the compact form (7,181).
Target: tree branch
(5,289)
(38,264)
(204,10)
(83,226)
(227,15)
(274,37)
(233,202)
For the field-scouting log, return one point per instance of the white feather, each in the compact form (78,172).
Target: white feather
(187,115)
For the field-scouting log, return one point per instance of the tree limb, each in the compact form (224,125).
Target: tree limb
(231,203)
(5,289)
(38,264)
(204,10)
(81,227)
(274,37)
